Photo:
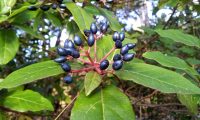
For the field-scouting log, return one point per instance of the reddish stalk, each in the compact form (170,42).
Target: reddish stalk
(113,49)
(82,60)
(83,70)
(95,50)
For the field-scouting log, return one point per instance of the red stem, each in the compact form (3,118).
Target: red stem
(113,49)
(83,70)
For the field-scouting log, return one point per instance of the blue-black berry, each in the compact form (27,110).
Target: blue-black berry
(44,7)
(117,65)
(54,6)
(62,52)
(93,28)
(69,44)
(68,79)
(124,50)
(77,40)
(122,36)
(131,45)
(104,27)
(118,44)
(60,59)
(62,6)
(66,67)
(75,54)
(104,64)
(128,56)
(32,8)
(91,40)
(117,57)
(87,32)
(60,1)
(115,36)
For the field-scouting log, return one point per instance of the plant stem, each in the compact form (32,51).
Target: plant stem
(95,50)
(83,70)
(113,49)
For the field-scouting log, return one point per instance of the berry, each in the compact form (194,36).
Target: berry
(60,1)
(117,65)
(32,8)
(68,79)
(93,28)
(54,6)
(104,28)
(131,45)
(122,36)
(77,40)
(198,70)
(69,44)
(91,40)
(115,36)
(44,7)
(75,54)
(117,57)
(118,44)
(104,64)
(124,50)
(66,67)
(60,59)
(62,6)
(69,51)
(128,56)
(62,52)
(87,32)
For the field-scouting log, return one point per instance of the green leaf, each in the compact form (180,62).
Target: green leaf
(169,61)
(9,45)
(179,36)
(3,115)
(6,5)
(81,17)
(27,100)
(157,78)
(91,82)
(32,73)
(107,104)
(54,19)
(190,101)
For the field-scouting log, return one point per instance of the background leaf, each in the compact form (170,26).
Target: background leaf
(6,5)
(157,78)
(27,100)
(107,104)
(9,45)
(92,81)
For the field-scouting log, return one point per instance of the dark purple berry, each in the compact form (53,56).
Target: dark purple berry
(62,6)
(104,64)
(77,40)
(54,6)
(93,28)
(117,65)
(131,45)
(68,79)
(87,32)
(103,28)
(44,7)
(62,52)
(118,44)
(60,1)
(122,36)
(66,67)
(60,59)
(75,54)
(69,51)
(32,8)
(69,44)
(128,56)
(91,40)
(115,36)
(117,57)
(124,50)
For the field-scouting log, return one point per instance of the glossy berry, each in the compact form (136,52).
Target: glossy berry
(117,65)
(115,36)
(117,57)
(103,28)
(93,28)
(91,40)
(69,44)
(131,45)
(69,51)
(62,6)
(77,40)
(128,56)
(118,44)
(124,50)
(68,79)
(122,36)
(87,32)
(32,8)
(62,52)
(60,59)
(75,54)
(54,6)
(44,7)
(104,64)
(66,67)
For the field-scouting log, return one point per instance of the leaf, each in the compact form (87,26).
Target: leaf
(158,78)
(54,19)
(9,45)
(169,61)
(91,82)
(6,5)
(179,36)
(107,104)
(190,101)
(27,100)
(32,73)
(81,17)
(3,115)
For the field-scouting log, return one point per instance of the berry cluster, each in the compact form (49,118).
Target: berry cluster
(46,7)
(75,50)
